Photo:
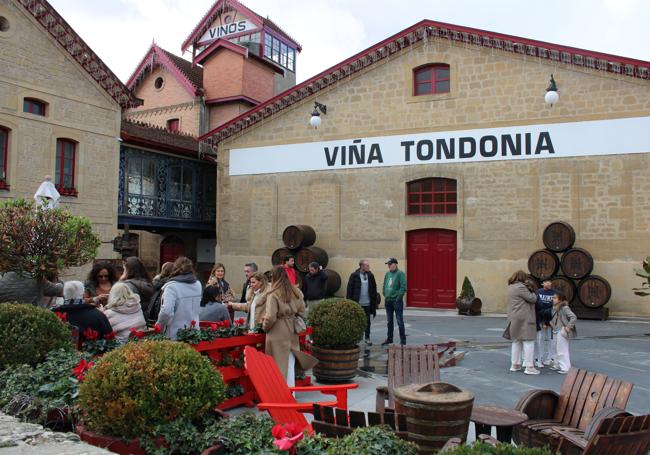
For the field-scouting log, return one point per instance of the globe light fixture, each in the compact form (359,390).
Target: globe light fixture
(315,119)
(551,96)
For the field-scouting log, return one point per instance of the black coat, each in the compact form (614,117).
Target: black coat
(354,288)
(85,316)
(314,286)
(243,292)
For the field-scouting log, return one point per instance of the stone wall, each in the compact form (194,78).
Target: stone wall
(503,206)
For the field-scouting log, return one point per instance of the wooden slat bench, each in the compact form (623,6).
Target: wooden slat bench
(582,395)
(335,422)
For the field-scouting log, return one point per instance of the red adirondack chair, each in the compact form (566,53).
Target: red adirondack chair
(277,398)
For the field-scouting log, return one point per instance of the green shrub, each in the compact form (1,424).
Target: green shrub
(479,448)
(28,333)
(242,435)
(140,386)
(39,242)
(31,393)
(467,291)
(375,440)
(337,323)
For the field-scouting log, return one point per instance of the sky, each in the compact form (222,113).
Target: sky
(121,31)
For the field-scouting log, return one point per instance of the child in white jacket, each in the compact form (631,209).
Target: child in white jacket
(123,311)
(564,329)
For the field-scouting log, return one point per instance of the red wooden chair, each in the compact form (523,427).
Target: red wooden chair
(277,398)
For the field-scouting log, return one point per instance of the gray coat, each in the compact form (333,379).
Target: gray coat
(564,317)
(521,313)
(181,305)
(23,288)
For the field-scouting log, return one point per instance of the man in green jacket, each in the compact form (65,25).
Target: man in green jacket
(394,290)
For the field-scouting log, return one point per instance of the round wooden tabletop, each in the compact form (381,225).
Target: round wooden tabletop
(496,416)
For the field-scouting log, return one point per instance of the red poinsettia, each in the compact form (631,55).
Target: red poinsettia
(110,336)
(193,323)
(135,333)
(214,326)
(157,328)
(309,330)
(287,436)
(62,316)
(240,321)
(90,334)
(80,370)
(226,323)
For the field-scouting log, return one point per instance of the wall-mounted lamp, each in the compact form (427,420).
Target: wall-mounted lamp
(315,116)
(551,96)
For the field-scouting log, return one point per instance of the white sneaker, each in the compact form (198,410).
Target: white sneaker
(515,367)
(539,364)
(554,367)
(531,370)
(563,371)
(548,362)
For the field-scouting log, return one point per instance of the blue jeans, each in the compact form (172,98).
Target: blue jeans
(397,307)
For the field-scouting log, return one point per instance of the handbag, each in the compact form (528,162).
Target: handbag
(299,324)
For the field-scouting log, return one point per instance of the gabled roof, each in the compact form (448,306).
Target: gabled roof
(223,5)
(189,76)
(428,29)
(61,31)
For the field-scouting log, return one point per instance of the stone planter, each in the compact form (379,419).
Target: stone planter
(469,306)
(336,365)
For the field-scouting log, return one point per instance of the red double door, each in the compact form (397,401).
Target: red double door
(431,272)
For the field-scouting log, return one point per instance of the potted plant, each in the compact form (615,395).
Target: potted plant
(467,302)
(338,325)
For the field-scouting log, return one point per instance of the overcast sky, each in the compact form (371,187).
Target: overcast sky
(121,31)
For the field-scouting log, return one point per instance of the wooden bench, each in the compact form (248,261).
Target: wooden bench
(582,395)
(627,435)
(335,422)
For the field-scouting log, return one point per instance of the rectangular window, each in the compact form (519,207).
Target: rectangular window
(276,51)
(267,45)
(291,60)
(432,79)
(173,125)
(33,106)
(65,167)
(283,54)
(434,196)
(4,153)
(141,176)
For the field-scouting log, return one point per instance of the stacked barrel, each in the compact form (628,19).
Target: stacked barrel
(299,241)
(570,270)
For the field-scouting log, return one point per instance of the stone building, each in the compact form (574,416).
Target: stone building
(60,110)
(437,147)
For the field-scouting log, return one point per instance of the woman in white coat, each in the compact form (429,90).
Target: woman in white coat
(181,301)
(123,311)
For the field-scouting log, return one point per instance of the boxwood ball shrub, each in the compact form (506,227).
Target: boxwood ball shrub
(140,386)
(337,323)
(28,333)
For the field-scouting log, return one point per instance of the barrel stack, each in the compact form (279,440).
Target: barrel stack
(570,268)
(299,240)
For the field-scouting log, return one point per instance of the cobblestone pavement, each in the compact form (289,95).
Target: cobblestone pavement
(18,438)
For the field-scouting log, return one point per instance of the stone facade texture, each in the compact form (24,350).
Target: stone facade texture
(503,206)
(34,66)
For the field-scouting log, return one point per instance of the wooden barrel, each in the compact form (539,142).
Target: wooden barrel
(298,235)
(333,282)
(559,236)
(577,263)
(277,258)
(435,413)
(543,264)
(335,365)
(566,286)
(594,291)
(309,254)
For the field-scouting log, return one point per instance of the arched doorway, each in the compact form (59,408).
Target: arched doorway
(431,272)
(170,249)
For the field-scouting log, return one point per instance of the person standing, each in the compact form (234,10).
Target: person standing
(394,290)
(255,307)
(543,314)
(362,288)
(521,321)
(136,276)
(216,295)
(249,270)
(289,265)
(181,298)
(314,285)
(564,328)
(153,308)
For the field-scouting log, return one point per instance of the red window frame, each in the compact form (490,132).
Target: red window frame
(432,196)
(60,174)
(34,106)
(173,125)
(432,80)
(4,154)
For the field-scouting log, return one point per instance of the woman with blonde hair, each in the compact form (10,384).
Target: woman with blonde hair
(521,329)
(284,303)
(257,305)
(216,295)
(123,311)
(181,299)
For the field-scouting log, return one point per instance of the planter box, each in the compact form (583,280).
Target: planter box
(113,444)
(232,342)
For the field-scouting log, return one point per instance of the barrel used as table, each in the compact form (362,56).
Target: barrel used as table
(435,413)
(577,263)
(307,255)
(565,285)
(594,291)
(559,236)
(486,417)
(543,264)
(298,235)
(333,282)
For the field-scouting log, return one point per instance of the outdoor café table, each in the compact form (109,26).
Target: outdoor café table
(486,417)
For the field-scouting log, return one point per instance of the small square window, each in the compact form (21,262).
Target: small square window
(34,106)
(432,196)
(432,79)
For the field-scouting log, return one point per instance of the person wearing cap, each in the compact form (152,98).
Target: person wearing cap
(394,290)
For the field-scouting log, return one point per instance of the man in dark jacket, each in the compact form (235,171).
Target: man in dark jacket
(82,315)
(314,285)
(362,288)
(249,271)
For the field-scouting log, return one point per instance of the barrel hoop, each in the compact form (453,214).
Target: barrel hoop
(445,438)
(442,407)
(431,423)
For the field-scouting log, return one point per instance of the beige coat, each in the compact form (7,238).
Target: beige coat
(521,313)
(260,305)
(281,337)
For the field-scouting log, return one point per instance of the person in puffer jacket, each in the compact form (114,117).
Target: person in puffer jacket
(123,311)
